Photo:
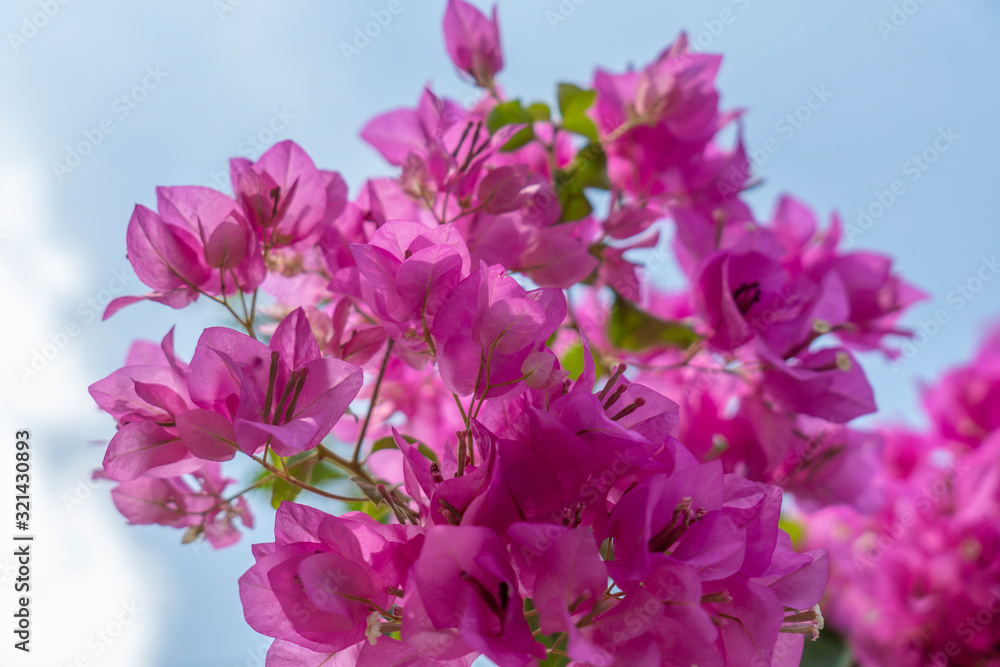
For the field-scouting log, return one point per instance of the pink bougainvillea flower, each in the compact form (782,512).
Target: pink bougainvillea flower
(463,582)
(964,403)
(473,41)
(286,199)
(147,399)
(400,133)
(171,501)
(406,271)
(318,583)
(829,384)
(660,117)
(561,570)
(283,393)
(486,329)
(198,242)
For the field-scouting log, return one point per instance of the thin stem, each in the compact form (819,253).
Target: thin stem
(444,208)
(467,211)
(325,452)
(267,478)
(253,312)
(302,485)
(371,406)
(458,402)
(427,201)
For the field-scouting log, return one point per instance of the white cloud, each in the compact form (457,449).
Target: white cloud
(92,595)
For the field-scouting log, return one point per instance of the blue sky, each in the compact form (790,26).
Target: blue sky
(165,93)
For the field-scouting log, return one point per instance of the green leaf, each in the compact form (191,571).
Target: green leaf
(386,443)
(590,167)
(547,640)
(283,490)
(507,113)
(553,659)
(370,490)
(581,125)
(315,472)
(540,111)
(324,471)
(522,138)
(573,99)
(389,443)
(380,514)
(511,113)
(829,650)
(636,330)
(793,528)
(572,361)
(573,104)
(574,202)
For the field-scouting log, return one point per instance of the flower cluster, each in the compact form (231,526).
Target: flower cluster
(918,580)
(556,460)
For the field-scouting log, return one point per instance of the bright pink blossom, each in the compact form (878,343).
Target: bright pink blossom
(473,41)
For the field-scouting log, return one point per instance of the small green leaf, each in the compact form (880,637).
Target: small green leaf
(588,170)
(283,490)
(314,472)
(573,104)
(572,361)
(830,650)
(540,111)
(549,641)
(370,490)
(553,659)
(389,443)
(582,125)
(324,471)
(385,443)
(793,528)
(380,514)
(522,138)
(511,113)
(507,113)
(574,202)
(573,99)
(590,167)
(636,330)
